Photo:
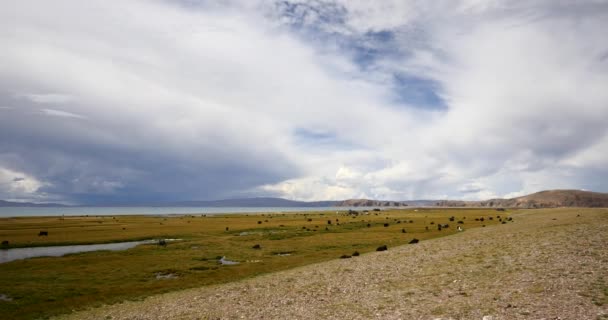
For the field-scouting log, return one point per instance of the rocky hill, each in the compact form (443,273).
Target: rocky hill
(542,199)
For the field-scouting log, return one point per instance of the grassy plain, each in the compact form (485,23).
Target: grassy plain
(45,286)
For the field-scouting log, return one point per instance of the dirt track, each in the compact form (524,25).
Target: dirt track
(547,264)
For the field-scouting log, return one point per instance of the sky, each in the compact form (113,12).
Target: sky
(160,100)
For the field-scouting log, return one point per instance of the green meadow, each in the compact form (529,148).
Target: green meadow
(46,286)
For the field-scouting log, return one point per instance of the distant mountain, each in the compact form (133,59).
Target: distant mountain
(254,202)
(370,203)
(242,202)
(279,202)
(542,199)
(420,203)
(29,204)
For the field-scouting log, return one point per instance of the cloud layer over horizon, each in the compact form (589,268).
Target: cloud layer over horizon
(307,100)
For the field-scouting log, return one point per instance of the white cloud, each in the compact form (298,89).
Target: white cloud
(206,101)
(61,114)
(47,98)
(18,186)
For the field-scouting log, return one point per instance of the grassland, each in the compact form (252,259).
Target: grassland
(42,287)
(547,264)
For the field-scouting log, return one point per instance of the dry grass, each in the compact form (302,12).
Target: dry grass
(41,287)
(548,264)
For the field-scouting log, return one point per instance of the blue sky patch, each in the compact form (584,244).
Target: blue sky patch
(417,91)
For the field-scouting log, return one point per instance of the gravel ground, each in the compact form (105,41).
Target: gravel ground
(547,264)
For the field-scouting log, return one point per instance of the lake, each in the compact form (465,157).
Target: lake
(7,255)
(6,212)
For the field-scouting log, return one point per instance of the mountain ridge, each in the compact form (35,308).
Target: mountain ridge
(541,199)
(4,203)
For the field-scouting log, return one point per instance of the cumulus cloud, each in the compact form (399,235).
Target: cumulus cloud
(310,100)
(18,186)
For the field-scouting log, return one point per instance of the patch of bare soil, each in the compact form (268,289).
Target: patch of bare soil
(547,264)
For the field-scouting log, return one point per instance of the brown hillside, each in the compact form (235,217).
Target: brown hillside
(542,199)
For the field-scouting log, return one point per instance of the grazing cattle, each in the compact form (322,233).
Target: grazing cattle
(445,226)
(460,222)
(382,248)
(356,254)
(403,231)
(344,256)
(328,221)
(309,220)
(259,222)
(500,209)
(43,233)
(427,228)
(413,241)
(369,225)
(227,228)
(452,218)
(386,225)
(438,227)
(5,243)
(257,246)
(411,221)
(162,242)
(459,228)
